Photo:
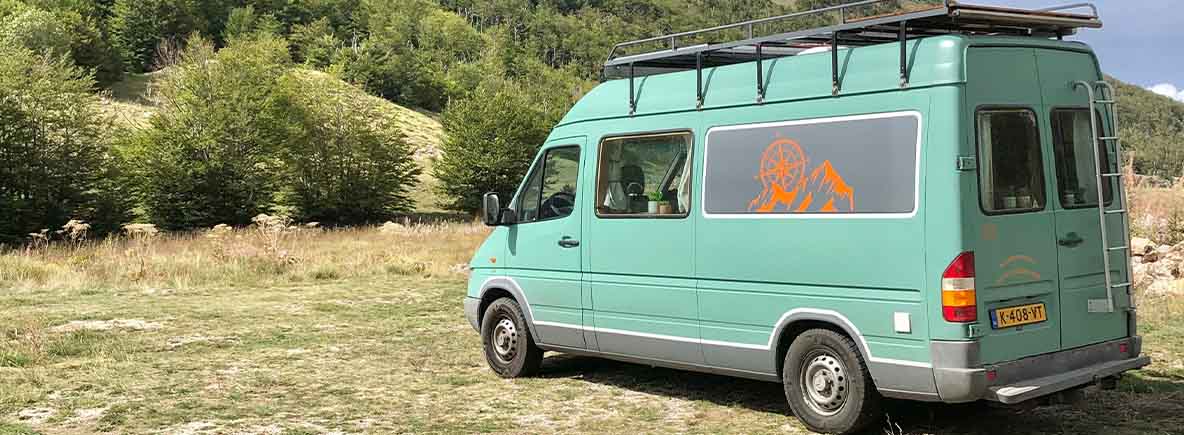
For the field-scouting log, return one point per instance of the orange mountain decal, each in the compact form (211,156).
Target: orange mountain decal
(784,183)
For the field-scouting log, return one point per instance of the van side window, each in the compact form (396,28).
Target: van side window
(644,176)
(846,165)
(1011,167)
(1076,180)
(550,192)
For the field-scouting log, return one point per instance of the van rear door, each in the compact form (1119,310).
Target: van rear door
(1011,228)
(1073,175)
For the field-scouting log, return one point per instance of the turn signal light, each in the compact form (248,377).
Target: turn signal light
(958,299)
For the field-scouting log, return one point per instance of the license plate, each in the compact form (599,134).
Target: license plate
(1016,316)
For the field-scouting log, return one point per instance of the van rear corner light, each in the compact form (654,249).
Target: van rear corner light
(958,300)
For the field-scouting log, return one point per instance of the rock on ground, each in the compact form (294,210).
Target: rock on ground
(1141,246)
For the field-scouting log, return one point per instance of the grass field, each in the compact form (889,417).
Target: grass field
(361,331)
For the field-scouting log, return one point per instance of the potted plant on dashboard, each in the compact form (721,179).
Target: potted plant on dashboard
(1024,198)
(1069,197)
(657,199)
(1074,196)
(1009,199)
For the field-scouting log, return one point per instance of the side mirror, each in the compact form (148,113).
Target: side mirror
(491,209)
(493,214)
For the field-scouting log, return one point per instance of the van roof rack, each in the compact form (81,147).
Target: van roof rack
(751,40)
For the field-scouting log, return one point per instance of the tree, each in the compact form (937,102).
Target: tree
(314,44)
(55,160)
(346,162)
(138,26)
(492,137)
(36,30)
(245,23)
(62,26)
(211,154)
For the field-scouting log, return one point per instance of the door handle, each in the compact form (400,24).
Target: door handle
(1070,240)
(568,242)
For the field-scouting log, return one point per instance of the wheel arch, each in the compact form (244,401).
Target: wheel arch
(797,321)
(497,287)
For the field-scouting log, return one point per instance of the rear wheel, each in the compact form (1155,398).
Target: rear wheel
(509,348)
(827,383)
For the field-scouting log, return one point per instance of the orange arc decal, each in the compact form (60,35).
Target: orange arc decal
(1015,258)
(1020,272)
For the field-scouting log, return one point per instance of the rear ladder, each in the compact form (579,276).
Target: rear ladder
(1108,99)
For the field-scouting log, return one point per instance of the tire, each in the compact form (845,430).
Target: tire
(827,383)
(509,347)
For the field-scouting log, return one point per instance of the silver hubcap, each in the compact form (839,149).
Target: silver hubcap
(824,383)
(505,340)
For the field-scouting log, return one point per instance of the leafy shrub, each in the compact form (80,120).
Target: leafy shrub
(245,23)
(60,32)
(55,159)
(210,155)
(138,26)
(346,160)
(403,76)
(37,30)
(492,137)
(91,48)
(314,44)
(1152,130)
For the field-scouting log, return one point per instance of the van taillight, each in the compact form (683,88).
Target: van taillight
(958,301)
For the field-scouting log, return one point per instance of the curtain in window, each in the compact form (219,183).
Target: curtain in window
(1084,156)
(684,186)
(986,159)
(615,197)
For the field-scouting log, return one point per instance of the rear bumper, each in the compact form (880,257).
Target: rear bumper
(961,378)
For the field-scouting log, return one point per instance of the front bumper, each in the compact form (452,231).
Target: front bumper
(471,312)
(961,378)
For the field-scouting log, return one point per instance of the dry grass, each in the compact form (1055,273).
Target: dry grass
(248,257)
(361,331)
(1157,213)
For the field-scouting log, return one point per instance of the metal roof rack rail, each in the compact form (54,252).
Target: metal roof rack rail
(948,17)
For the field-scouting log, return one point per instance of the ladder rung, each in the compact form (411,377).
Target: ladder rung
(1125,284)
(1105,102)
(1118,248)
(1108,138)
(1113,174)
(1121,210)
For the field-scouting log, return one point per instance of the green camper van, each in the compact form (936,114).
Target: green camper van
(923,205)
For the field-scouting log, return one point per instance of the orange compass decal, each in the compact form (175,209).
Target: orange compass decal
(786,187)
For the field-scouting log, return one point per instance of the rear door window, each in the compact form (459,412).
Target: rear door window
(1011,167)
(1072,137)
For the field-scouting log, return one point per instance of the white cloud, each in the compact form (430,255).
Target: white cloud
(1168,90)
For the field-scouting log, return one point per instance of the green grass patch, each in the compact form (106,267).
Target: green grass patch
(16,429)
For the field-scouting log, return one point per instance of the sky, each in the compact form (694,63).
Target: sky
(1141,41)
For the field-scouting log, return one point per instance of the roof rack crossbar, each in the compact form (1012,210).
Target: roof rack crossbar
(672,38)
(788,36)
(1093,9)
(947,17)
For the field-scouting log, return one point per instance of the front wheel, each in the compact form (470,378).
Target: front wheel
(509,347)
(827,384)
